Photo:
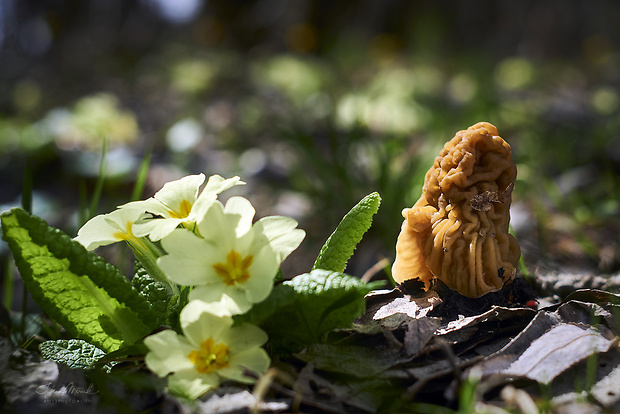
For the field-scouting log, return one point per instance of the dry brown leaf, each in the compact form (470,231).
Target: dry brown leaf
(464,328)
(392,310)
(561,347)
(419,333)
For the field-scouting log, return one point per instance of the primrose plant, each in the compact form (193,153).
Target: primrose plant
(205,297)
(217,252)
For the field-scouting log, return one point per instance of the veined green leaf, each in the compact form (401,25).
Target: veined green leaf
(308,306)
(153,291)
(166,309)
(89,297)
(341,244)
(329,300)
(174,308)
(74,353)
(281,297)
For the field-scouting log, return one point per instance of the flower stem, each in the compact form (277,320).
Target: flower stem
(148,253)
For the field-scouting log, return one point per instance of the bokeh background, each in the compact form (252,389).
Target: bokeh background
(315,104)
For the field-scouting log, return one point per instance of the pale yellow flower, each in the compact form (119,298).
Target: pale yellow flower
(233,260)
(179,202)
(209,351)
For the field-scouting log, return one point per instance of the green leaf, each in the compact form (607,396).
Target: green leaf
(166,308)
(341,244)
(153,291)
(137,349)
(281,297)
(308,306)
(90,298)
(351,360)
(174,308)
(74,353)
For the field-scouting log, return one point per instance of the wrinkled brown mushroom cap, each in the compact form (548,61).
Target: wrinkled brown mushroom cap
(458,230)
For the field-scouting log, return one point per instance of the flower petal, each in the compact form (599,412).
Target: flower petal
(281,233)
(218,227)
(96,232)
(173,193)
(156,228)
(232,298)
(263,271)
(244,337)
(104,229)
(254,359)
(190,384)
(242,207)
(189,259)
(201,206)
(149,205)
(168,352)
(216,184)
(201,320)
(211,293)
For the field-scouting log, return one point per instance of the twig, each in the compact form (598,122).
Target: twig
(412,391)
(376,268)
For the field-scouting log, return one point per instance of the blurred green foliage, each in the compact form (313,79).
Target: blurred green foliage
(317,105)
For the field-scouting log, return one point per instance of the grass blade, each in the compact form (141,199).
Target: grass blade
(100,180)
(27,189)
(8,285)
(143,172)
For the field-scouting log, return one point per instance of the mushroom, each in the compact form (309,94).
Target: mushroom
(457,231)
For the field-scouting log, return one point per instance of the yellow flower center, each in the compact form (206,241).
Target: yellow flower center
(126,234)
(235,270)
(184,209)
(210,357)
